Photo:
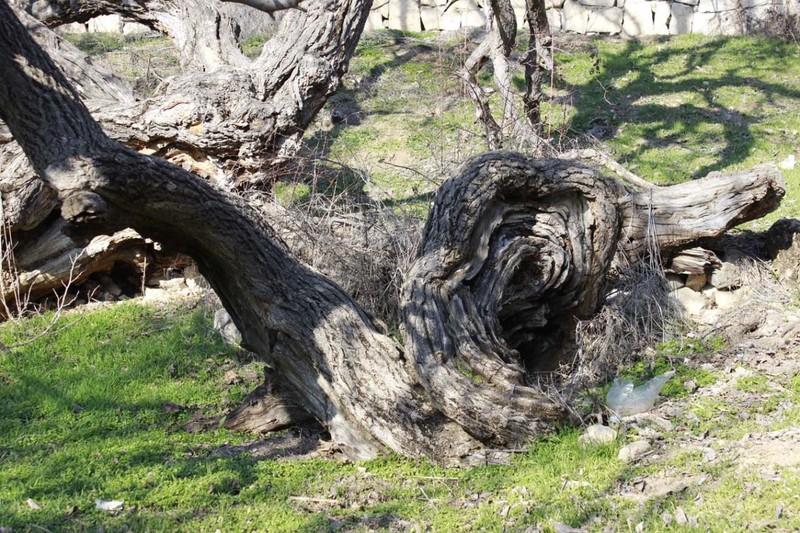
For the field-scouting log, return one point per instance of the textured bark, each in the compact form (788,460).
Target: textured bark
(538,61)
(496,48)
(514,252)
(225,118)
(270,407)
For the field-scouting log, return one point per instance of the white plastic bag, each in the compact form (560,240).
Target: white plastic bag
(625,400)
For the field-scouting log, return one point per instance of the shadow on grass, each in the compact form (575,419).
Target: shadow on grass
(701,97)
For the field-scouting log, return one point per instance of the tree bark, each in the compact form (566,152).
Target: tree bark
(225,118)
(514,252)
(514,126)
(538,61)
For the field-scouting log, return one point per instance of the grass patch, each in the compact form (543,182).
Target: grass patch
(82,419)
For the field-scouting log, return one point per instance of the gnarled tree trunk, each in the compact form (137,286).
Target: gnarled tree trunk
(225,117)
(514,252)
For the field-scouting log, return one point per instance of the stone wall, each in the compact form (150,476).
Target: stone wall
(626,17)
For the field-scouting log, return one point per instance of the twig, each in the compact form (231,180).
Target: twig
(309,499)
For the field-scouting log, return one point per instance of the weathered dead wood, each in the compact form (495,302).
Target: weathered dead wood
(270,407)
(675,217)
(514,252)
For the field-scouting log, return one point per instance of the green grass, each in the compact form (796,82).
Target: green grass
(82,419)
(675,109)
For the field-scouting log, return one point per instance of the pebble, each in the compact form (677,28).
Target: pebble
(598,434)
(633,451)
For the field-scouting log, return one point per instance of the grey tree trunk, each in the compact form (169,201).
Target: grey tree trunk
(225,118)
(518,123)
(514,252)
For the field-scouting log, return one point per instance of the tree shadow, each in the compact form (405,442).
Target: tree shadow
(663,94)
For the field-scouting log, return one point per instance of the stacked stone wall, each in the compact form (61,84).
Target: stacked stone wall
(616,17)
(631,18)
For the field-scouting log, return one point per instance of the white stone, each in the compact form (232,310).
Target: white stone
(717,6)
(662,13)
(223,323)
(598,3)
(576,16)
(688,2)
(638,18)
(430,18)
(555,19)
(73,27)
(520,10)
(134,28)
(174,284)
(727,299)
(382,8)
(404,15)
(709,316)
(550,4)
(723,23)
(633,451)
(788,163)
(473,17)
(682,19)
(605,20)
(106,23)
(693,302)
(450,20)
(151,293)
(597,434)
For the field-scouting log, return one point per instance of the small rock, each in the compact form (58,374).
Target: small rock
(597,434)
(727,299)
(563,528)
(33,505)
(666,517)
(680,517)
(788,163)
(726,277)
(110,506)
(155,294)
(690,386)
(709,316)
(223,323)
(174,284)
(633,451)
(693,302)
(696,282)
(692,419)
(709,455)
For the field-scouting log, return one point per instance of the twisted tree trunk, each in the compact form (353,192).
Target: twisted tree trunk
(514,252)
(225,118)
